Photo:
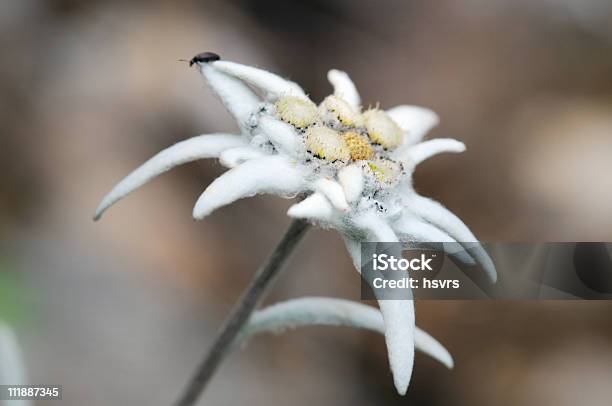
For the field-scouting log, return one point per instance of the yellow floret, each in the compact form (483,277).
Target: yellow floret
(385,170)
(340,110)
(382,129)
(358,145)
(327,144)
(297,111)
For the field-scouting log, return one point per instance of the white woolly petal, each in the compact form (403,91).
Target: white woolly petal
(12,367)
(398,316)
(417,153)
(273,85)
(432,347)
(333,191)
(344,87)
(415,229)
(444,219)
(271,174)
(314,207)
(281,134)
(414,120)
(203,146)
(237,97)
(351,179)
(322,311)
(235,156)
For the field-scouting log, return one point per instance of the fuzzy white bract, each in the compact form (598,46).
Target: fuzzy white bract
(353,167)
(323,311)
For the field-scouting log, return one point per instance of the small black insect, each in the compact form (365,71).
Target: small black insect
(203,57)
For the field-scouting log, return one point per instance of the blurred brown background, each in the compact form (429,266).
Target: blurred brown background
(120,312)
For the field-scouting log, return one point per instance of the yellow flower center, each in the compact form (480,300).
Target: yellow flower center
(358,145)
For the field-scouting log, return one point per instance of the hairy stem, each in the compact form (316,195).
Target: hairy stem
(240,314)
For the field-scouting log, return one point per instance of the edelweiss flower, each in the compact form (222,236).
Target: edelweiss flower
(353,168)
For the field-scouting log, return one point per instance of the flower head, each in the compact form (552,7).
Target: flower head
(352,166)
